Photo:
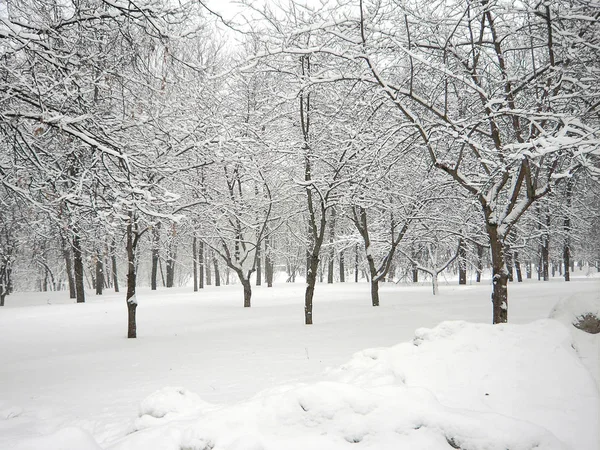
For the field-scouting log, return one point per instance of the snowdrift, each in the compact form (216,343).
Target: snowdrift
(459,385)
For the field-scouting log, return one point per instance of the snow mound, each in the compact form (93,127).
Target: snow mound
(577,311)
(459,385)
(70,438)
(167,404)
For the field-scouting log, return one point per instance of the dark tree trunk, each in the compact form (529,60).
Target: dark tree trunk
(217,273)
(508,258)
(268,263)
(99,273)
(545,260)
(311,279)
(201,263)
(114,271)
(155,255)
(78,268)
(374,291)
(207,268)
(499,277)
(131,299)
(546,250)
(415,274)
(462,262)
(195,262)
(479,263)
(69,267)
(567,231)
(374,281)
(258,266)
(518,268)
(342,268)
(356,263)
(247,291)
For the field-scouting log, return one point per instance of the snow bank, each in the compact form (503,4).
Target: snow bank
(70,438)
(458,385)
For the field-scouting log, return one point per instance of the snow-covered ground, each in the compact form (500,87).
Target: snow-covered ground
(206,373)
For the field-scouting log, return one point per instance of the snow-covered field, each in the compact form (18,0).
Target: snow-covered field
(205,373)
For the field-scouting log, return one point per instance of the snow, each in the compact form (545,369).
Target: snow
(427,372)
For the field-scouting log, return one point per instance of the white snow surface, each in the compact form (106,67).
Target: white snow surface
(206,373)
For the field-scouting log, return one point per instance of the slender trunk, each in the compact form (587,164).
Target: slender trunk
(99,274)
(479,263)
(374,280)
(207,268)
(311,279)
(499,277)
(356,263)
(518,267)
(546,250)
(258,265)
(462,262)
(201,263)
(342,268)
(68,266)
(508,259)
(155,255)
(415,274)
(268,263)
(131,299)
(567,231)
(114,270)
(217,274)
(435,283)
(374,291)
(567,262)
(78,268)
(195,262)
(247,291)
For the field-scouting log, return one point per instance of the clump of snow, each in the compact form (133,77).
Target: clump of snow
(572,310)
(70,438)
(169,403)
(460,385)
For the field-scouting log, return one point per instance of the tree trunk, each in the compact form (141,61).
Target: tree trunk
(258,266)
(342,268)
(155,255)
(207,268)
(356,263)
(374,291)
(508,259)
(201,263)
(69,267)
(518,268)
(479,263)
(114,271)
(499,277)
(415,274)
(131,299)
(268,263)
(217,274)
(247,291)
(195,261)
(311,279)
(567,231)
(99,273)
(374,280)
(462,262)
(435,283)
(78,268)
(528,270)
(546,251)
